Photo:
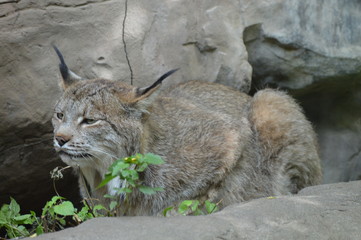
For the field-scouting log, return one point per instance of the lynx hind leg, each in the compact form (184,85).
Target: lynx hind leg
(287,138)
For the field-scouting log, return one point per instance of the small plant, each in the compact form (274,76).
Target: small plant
(194,207)
(59,213)
(128,169)
(13,221)
(56,215)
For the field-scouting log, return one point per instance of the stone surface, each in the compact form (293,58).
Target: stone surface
(160,36)
(304,42)
(335,110)
(312,47)
(319,212)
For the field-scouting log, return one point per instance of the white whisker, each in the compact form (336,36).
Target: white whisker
(106,153)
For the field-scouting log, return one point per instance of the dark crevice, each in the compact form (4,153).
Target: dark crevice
(43,7)
(10,1)
(124,43)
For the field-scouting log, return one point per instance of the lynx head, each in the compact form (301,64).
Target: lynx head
(97,121)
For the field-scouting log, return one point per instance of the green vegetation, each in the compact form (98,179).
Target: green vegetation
(193,207)
(128,169)
(59,213)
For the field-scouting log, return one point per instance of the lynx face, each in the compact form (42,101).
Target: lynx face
(85,133)
(98,121)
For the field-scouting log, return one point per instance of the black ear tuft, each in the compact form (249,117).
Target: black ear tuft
(68,76)
(64,70)
(159,81)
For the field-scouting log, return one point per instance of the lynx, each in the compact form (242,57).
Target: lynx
(217,143)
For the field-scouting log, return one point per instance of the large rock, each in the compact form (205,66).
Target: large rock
(304,42)
(159,36)
(303,45)
(313,48)
(320,212)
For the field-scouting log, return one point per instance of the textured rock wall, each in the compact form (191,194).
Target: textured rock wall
(159,36)
(311,47)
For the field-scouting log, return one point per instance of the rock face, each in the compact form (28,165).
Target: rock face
(310,47)
(305,42)
(159,36)
(320,212)
(313,49)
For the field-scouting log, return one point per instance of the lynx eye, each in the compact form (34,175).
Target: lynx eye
(60,116)
(89,121)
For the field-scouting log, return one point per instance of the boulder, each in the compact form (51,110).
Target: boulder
(319,212)
(303,43)
(158,36)
(313,50)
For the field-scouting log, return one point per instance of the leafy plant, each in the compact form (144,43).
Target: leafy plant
(128,169)
(193,207)
(59,213)
(13,221)
(56,215)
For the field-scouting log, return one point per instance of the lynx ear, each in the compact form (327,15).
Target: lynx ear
(146,91)
(144,96)
(69,77)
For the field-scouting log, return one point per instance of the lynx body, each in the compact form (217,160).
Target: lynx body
(217,143)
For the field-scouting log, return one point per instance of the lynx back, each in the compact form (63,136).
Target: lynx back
(217,143)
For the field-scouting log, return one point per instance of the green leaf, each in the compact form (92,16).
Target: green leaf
(5,213)
(130,174)
(113,205)
(107,179)
(195,205)
(141,167)
(158,189)
(39,230)
(146,190)
(120,165)
(14,207)
(151,158)
(55,199)
(131,183)
(123,190)
(109,196)
(184,206)
(61,221)
(22,231)
(24,219)
(65,208)
(34,217)
(165,211)
(198,212)
(187,203)
(48,206)
(210,207)
(99,207)
(84,214)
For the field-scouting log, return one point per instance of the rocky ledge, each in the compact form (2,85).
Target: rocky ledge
(331,211)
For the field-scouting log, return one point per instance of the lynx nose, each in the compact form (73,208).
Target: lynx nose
(62,140)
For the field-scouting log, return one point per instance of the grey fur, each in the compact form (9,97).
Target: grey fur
(218,143)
